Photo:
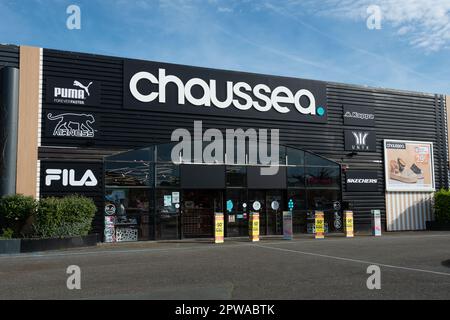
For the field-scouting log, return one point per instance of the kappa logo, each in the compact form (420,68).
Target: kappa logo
(358,115)
(68,178)
(73,125)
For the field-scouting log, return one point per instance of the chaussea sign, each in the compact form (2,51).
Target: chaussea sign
(183,89)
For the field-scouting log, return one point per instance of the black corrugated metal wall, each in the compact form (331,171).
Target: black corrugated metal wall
(9,56)
(399,115)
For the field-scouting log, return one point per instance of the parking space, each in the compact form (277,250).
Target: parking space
(413,265)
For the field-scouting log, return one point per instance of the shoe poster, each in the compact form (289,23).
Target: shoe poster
(409,165)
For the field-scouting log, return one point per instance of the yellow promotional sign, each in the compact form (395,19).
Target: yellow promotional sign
(254,227)
(320,225)
(349,224)
(219,226)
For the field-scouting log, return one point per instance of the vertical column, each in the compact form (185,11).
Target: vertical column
(9,113)
(447,104)
(27,149)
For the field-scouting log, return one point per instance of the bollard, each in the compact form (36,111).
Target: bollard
(287,225)
(349,224)
(319,225)
(376,223)
(219,224)
(253,226)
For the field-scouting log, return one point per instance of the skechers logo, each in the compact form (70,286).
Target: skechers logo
(365,181)
(67,178)
(237,94)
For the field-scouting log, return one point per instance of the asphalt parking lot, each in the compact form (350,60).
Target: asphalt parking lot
(414,265)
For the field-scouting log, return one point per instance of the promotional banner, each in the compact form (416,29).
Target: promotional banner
(319,225)
(376,223)
(287,225)
(409,165)
(219,225)
(349,232)
(254,227)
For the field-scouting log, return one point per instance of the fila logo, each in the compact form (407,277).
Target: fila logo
(360,137)
(67,178)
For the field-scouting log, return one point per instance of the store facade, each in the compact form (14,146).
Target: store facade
(105,127)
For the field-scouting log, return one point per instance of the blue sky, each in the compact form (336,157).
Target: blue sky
(324,40)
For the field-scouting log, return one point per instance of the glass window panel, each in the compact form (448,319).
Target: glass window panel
(131,174)
(296,177)
(236,176)
(314,160)
(295,157)
(167,215)
(323,177)
(164,152)
(298,197)
(145,154)
(322,199)
(130,218)
(281,158)
(167,175)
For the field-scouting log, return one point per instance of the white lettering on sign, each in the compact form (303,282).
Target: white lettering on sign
(237,94)
(350,180)
(67,178)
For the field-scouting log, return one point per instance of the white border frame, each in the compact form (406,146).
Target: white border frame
(386,173)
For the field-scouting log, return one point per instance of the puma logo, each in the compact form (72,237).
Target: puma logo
(85,88)
(73,125)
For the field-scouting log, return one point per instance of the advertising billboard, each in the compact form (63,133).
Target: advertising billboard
(409,165)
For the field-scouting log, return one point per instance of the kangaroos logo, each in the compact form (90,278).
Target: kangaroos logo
(73,125)
(70,91)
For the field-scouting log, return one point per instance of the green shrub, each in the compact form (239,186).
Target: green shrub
(442,205)
(7,234)
(64,217)
(15,211)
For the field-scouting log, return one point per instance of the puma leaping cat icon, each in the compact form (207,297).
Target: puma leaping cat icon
(80,85)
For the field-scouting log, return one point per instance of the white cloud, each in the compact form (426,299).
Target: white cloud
(425,24)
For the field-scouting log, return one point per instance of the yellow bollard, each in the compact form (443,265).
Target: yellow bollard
(219,224)
(319,225)
(349,224)
(253,226)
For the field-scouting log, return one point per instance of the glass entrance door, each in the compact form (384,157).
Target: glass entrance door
(274,213)
(198,211)
(269,204)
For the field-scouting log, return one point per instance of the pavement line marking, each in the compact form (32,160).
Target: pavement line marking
(355,260)
(52,255)
(209,246)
